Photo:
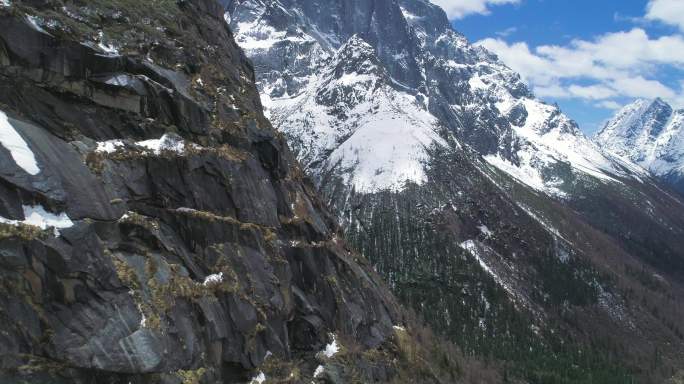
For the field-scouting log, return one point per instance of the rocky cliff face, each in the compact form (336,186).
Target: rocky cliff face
(651,134)
(486,209)
(154,228)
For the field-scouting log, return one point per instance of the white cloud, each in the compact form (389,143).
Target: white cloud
(666,11)
(640,87)
(507,32)
(457,9)
(619,64)
(552,90)
(608,104)
(592,92)
(534,68)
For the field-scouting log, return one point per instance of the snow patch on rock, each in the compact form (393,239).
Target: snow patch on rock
(485,231)
(168,142)
(107,48)
(17,146)
(332,348)
(260,378)
(544,223)
(37,216)
(525,173)
(109,146)
(216,278)
(35,23)
(257,35)
(143,318)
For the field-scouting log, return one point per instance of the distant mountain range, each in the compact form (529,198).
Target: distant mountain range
(486,209)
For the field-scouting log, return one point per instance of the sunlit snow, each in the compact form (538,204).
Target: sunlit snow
(108,48)
(165,143)
(348,117)
(109,146)
(216,278)
(37,216)
(35,23)
(258,35)
(332,348)
(15,144)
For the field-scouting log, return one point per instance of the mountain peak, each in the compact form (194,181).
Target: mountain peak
(649,132)
(356,44)
(636,121)
(356,56)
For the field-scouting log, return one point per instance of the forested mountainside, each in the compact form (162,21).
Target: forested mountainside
(485,209)
(651,134)
(155,228)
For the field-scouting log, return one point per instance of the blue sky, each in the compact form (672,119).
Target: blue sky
(589,56)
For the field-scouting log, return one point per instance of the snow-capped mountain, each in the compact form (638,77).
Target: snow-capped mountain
(342,111)
(651,134)
(514,230)
(418,73)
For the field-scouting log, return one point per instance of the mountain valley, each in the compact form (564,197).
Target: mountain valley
(320,191)
(531,233)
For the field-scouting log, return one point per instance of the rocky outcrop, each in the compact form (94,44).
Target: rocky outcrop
(153,226)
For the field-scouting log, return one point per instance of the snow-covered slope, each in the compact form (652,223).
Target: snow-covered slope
(650,133)
(546,139)
(351,122)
